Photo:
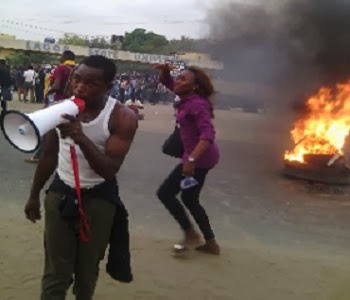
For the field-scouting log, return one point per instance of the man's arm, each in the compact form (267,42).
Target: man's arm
(124,124)
(47,163)
(46,166)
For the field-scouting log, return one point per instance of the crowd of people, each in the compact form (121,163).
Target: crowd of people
(83,211)
(140,86)
(32,83)
(29,82)
(46,84)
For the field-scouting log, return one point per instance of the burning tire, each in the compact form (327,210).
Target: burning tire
(321,138)
(316,169)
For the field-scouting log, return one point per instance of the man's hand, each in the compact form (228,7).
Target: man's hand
(71,129)
(188,168)
(32,209)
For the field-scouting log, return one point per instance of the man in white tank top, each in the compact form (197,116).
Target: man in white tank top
(102,134)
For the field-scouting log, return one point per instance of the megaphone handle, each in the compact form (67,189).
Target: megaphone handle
(85,232)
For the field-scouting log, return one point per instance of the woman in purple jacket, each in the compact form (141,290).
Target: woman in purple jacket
(201,154)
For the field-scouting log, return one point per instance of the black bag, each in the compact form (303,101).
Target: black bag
(173,144)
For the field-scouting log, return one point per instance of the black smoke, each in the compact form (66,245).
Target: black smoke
(292,46)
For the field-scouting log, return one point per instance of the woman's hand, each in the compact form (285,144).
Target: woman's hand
(188,169)
(164,69)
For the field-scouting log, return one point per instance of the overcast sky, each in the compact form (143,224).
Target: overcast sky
(102,17)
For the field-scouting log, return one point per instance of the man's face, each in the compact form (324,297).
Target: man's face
(88,83)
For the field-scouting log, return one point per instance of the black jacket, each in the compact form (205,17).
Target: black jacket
(119,259)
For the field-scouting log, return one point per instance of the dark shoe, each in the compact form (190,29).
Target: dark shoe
(210,247)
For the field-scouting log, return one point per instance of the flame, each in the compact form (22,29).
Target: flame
(324,129)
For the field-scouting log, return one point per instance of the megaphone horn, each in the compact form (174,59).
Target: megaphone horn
(25,131)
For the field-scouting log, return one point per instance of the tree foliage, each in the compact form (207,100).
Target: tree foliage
(22,59)
(142,41)
(76,40)
(18,59)
(139,40)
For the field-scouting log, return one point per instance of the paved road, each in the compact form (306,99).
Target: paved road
(246,197)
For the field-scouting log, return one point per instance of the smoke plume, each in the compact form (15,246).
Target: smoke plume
(291,46)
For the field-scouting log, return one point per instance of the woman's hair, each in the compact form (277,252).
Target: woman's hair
(205,86)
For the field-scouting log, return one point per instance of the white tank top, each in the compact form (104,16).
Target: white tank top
(98,132)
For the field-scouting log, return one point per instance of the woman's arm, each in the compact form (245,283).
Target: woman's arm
(165,77)
(201,147)
(206,129)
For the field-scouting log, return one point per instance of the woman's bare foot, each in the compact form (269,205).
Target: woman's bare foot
(211,247)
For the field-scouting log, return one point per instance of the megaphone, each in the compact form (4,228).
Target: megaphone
(25,131)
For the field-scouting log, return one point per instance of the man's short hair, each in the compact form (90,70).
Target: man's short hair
(2,62)
(68,55)
(103,63)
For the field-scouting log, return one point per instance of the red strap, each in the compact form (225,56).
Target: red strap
(85,232)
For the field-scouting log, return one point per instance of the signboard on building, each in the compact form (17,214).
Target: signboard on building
(152,58)
(46,47)
(81,51)
(111,54)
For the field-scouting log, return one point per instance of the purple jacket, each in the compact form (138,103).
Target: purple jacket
(193,116)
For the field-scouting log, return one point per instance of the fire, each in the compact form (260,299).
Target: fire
(325,127)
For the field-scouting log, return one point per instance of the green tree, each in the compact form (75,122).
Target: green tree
(139,40)
(76,40)
(20,58)
(40,58)
(73,40)
(142,41)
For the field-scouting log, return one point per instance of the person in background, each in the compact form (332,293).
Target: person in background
(122,90)
(19,77)
(60,77)
(47,80)
(59,89)
(5,86)
(116,88)
(194,115)
(129,91)
(39,85)
(137,90)
(153,95)
(13,72)
(29,78)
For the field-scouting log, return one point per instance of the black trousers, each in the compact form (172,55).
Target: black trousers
(3,108)
(39,93)
(167,194)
